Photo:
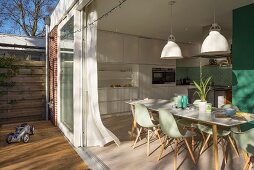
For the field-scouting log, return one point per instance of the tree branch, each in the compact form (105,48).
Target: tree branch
(23,16)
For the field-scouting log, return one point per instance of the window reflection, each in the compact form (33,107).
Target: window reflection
(66,73)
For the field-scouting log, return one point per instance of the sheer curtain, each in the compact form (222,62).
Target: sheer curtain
(97,133)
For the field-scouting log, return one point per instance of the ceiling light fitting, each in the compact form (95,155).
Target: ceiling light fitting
(215,43)
(171,50)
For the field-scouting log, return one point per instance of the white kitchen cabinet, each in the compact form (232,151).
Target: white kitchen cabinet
(146,51)
(117,107)
(112,100)
(115,94)
(150,52)
(109,47)
(189,49)
(131,49)
(103,106)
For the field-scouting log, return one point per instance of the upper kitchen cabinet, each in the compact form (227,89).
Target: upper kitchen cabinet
(192,62)
(131,49)
(109,47)
(189,49)
(150,52)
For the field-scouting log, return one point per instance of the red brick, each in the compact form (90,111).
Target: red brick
(53,74)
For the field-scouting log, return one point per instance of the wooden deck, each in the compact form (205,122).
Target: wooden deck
(47,149)
(124,157)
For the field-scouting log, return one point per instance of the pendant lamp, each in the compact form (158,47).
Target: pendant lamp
(215,43)
(171,50)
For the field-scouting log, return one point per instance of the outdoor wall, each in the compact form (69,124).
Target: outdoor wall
(22,96)
(53,74)
(243,58)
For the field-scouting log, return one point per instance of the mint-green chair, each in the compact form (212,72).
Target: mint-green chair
(171,130)
(143,119)
(223,135)
(246,142)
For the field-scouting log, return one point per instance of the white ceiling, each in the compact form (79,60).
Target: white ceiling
(151,18)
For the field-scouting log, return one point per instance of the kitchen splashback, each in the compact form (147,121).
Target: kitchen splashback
(221,76)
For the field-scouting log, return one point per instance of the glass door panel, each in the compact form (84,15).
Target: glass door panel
(66,73)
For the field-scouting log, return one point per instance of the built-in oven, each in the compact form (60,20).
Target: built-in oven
(163,75)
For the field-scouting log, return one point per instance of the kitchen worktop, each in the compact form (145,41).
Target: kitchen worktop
(217,88)
(212,96)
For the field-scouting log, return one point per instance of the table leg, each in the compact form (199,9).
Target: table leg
(215,148)
(134,125)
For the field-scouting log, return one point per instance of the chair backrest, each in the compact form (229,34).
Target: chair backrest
(142,116)
(245,140)
(168,124)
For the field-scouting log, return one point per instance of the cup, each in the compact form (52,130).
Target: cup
(179,102)
(184,102)
(208,107)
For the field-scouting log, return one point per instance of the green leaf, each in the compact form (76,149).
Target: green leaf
(203,88)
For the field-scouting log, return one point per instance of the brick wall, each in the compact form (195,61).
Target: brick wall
(53,74)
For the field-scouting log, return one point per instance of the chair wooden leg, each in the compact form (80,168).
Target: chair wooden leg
(176,153)
(203,136)
(204,144)
(148,143)
(223,150)
(192,141)
(245,155)
(137,137)
(250,166)
(233,145)
(190,151)
(246,163)
(162,148)
(158,135)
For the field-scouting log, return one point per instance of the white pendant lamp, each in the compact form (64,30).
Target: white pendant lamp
(171,50)
(215,43)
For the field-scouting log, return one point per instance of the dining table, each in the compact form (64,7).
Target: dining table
(192,113)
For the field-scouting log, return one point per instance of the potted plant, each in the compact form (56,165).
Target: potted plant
(202,90)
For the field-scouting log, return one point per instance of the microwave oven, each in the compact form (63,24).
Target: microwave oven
(163,75)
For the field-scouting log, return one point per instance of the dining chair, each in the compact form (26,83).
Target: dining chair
(171,130)
(245,140)
(223,135)
(143,119)
(191,126)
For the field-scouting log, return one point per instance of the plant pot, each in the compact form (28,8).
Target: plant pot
(202,106)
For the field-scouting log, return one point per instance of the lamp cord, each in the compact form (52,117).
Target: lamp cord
(214,4)
(171,16)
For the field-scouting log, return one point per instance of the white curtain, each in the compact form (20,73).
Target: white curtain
(97,133)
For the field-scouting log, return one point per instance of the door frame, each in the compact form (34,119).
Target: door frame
(75,136)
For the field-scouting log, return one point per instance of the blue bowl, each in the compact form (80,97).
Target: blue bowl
(230,111)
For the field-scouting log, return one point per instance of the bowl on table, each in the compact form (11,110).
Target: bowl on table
(230,111)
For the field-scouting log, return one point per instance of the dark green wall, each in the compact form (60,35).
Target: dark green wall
(243,58)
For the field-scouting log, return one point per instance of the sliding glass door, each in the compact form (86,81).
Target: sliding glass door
(66,73)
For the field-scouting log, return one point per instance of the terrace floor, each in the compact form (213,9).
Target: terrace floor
(47,149)
(124,157)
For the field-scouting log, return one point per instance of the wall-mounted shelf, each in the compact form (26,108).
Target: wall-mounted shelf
(122,75)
